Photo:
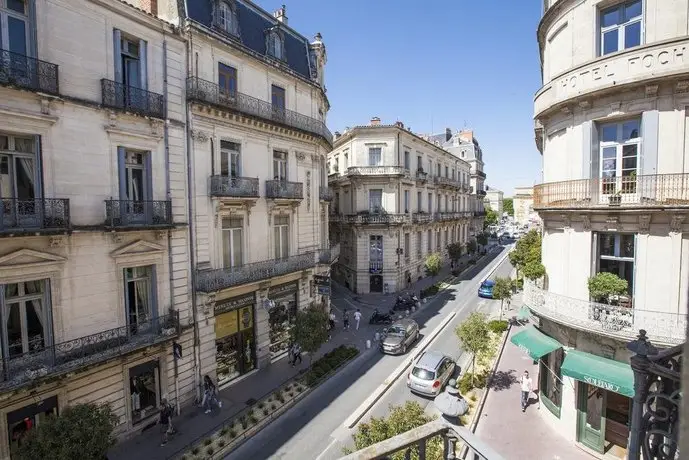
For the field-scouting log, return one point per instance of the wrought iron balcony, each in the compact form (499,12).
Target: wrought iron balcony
(657,190)
(234,187)
(325,194)
(28,73)
(618,322)
(455,439)
(446,182)
(481,192)
(479,174)
(282,189)
(422,218)
(207,92)
(223,278)
(371,219)
(74,354)
(138,214)
(131,99)
(30,216)
(377,171)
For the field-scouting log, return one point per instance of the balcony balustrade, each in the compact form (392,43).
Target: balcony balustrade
(479,174)
(619,322)
(446,182)
(119,96)
(138,214)
(39,214)
(481,192)
(412,444)
(210,93)
(325,194)
(371,219)
(74,354)
(422,218)
(284,190)
(223,278)
(376,171)
(28,73)
(234,187)
(657,190)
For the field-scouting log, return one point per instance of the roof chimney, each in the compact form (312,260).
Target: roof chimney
(375,121)
(281,15)
(448,134)
(399,124)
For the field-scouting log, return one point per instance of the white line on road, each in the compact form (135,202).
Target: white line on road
(332,443)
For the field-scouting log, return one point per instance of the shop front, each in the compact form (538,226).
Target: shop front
(282,315)
(21,421)
(235,337)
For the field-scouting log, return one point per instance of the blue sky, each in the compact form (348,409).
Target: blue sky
(434,64)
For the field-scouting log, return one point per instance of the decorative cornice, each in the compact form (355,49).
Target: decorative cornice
(676,223)
(651,90)
(644,223)
(682,86)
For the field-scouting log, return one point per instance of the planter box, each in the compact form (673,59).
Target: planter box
(615,200)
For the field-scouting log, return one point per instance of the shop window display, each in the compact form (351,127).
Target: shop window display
(144,382)
(283,315)
(235,343)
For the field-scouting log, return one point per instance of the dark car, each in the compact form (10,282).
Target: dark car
(486,289)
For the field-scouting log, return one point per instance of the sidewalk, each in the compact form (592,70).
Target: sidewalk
(513,434)
(192,423)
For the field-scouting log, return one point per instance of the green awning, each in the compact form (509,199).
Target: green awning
(524,313)
(598,371)
(535,343)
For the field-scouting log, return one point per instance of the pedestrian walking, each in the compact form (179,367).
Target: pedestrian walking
(296,354)
(165,421)
(357,318)
(210,395)
(526,389)
(408,280)
(331,324)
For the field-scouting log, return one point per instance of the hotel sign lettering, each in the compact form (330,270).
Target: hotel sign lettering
(602,384)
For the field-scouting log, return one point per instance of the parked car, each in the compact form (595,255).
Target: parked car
(399,336)
(485,290)
(431,373)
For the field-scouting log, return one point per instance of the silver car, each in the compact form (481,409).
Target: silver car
(399,336)
(430,373)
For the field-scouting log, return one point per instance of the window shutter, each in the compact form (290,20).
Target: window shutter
(649,154)
(122,173)
(39,167)
(143,59)
(117,54)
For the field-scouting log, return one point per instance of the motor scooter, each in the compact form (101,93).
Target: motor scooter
(381,318)
(405,302)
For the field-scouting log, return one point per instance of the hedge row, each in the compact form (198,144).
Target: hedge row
(330,361)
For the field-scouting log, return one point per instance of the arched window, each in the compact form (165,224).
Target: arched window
(227,18)
(274,46)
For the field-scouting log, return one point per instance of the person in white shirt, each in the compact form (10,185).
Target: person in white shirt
(357,318)
(526,388)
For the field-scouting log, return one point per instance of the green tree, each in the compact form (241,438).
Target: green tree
(454,250)
(474,337)
(471,246)
(482,239)
(508,206)
(433,264)
(81,431)
(526,256)
(310,329)
(400,420)
(604,284)
(502,290)
(491,218)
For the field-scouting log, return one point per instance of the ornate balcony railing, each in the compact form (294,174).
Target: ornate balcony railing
(74,354)
(422,217)
(618,322)
(325,194)
(28,73)
(223,278)
(133,214)
(479,174)
(412,444)
(481,192)
(657,190)
(282,189)
(208,92)
(446,182)
(421,176)
(131,99)
(234,187)
(371,219)
(47,214)
(376,171)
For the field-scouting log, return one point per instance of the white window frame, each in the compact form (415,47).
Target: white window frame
(375,205)
(618,144)
(5,12)
(229,235)
(280,165)
(229,153)
(407,159)
(275,45)
(375,156)
(621,27)
(22,298)
(279,231)
(227,18)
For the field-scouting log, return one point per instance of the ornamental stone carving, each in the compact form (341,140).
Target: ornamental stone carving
(676,223)
(566,222)
(58,241)
(586,222)
(199,135)
(644,223)
(300,156)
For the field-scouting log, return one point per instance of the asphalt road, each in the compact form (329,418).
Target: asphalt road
(313,428)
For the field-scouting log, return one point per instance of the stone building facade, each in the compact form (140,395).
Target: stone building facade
(522,201)
(611,123)
(94,268)
(397,197)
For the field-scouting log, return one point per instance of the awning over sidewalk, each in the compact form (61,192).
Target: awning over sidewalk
(598,371)
(535,343)
(524,313)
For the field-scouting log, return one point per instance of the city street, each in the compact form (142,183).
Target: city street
(314,427)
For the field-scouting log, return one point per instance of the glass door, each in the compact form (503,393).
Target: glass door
(619,150)
(591,420)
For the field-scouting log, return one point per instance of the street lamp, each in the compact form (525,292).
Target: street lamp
(642,349)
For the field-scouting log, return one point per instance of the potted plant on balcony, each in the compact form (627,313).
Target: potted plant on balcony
(615,199)
(602,287)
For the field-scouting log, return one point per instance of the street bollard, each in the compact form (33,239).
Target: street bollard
(413,309)
(425,300)
(406,313)
(368,344)
(399,316)
(418,304)
(376,337)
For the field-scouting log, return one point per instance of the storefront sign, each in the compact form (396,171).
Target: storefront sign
(234,303)
(226,324)
(602,384)
(283,290)
(320,280)
(324,290)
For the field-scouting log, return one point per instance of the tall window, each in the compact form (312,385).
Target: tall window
(375,200)
(619,150)
(430,202)
(131,54)
(446,238)
(620,27)
(136,175)
(406,201)
(227,18)
(279,165)
(437,203)
(230,159)
(407,160)
(374,156)
(438,244)
(274,45)
(18,174)
(14,27)
(616,255)
(419,243)
(550,381)
(429,241)
(232,239)
(139,297)
(279,101)
(446,206)
(375,255)
(419,202)
(407,245)
(419,163)
(25,317)
(227,80)
(430,167)
(446,171)
(281,236)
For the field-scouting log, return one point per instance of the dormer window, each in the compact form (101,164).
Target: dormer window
(275,44)
(226,17)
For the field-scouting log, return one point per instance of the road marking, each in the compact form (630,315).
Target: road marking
(332,443)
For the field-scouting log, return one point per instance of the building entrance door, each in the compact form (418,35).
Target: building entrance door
(591,419)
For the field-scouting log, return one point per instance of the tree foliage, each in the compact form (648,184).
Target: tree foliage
(454,250)
(82,431)
(482,239)
(474,336)
(526,256)
(310,329)
(492,217)
(604,284)
(433,264)
(502,290)
(471,246)
(400,420)
(508,206)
